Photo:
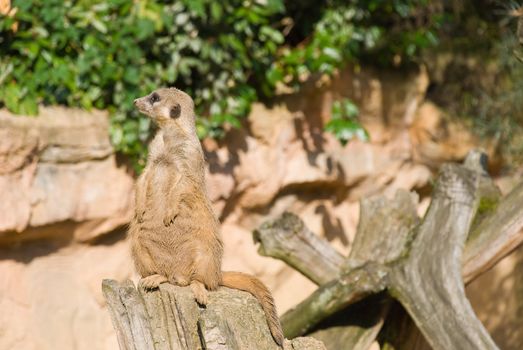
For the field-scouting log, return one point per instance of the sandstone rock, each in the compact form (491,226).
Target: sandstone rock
(17,146)
(15,206)
(51,299)
(436,139)
(96,194)
(288,148)
(496,299)
(60,168)
(387,99)
(62,135)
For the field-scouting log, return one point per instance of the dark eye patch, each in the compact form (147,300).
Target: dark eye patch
(176,110)
(154,98)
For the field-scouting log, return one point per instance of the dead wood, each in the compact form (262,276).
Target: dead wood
(421,264)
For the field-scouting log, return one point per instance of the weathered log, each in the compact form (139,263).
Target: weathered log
(339,293)
(170,319)
(519,32)
(428,281)
(384,229)
(396,217)
(484,241)
(496,236)
(287,238)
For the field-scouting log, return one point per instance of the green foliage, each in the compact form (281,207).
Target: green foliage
(344,124)
(104,53)
(482,85)
(379,31)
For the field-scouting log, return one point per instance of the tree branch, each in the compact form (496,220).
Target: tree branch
(332,297)
(287,238)
(496,236)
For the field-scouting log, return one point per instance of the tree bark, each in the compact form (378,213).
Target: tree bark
(497,235)
(332,297)
(290,240)
(170,319)
(428,282)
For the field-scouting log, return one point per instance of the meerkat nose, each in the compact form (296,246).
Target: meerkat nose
(135,102)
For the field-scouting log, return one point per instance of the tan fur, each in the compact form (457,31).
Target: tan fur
(175,235)
(247,283)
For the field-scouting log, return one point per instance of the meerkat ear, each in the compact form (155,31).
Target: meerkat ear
(175,111)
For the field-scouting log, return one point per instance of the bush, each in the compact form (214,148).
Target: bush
(226,54)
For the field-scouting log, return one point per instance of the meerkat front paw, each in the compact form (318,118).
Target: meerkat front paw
(200,293)
(151,282)
(170,215)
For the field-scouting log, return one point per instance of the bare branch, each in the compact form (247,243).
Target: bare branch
(288,239)
(496,236)
(332,297)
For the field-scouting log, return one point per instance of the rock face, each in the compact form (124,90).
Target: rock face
(65,201)
(59,168)
(50,295)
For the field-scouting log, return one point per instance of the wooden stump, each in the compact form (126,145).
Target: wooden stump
(170,319)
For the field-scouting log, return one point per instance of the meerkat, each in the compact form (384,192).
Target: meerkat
(175,235)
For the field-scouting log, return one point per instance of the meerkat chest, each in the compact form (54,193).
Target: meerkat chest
(164,172)
(161,156)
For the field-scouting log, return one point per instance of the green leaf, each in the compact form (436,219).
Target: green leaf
(271,34)
(99,25)
(332,53)
(350,110)
(345,130)
(274,75)
(216,11)
(131,75)
(181,19)
(11,96)
(196,6)
(28,106)
(274,6)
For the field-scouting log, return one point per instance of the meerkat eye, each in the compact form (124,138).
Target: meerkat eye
(154,98)
(175,112)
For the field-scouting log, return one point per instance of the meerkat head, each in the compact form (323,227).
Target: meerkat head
(168,106)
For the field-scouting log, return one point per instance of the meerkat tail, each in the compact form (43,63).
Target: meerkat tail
(250,284)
